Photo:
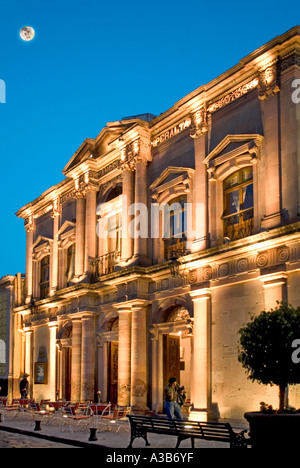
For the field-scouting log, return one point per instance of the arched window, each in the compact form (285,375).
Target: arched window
(45,277)
(238,204)
(174,227)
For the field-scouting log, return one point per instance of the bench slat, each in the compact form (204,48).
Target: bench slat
(220,432)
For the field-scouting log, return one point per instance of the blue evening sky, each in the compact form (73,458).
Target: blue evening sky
(93,62)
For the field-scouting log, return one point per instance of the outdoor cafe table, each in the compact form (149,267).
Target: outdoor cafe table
(57,404)
(97,408)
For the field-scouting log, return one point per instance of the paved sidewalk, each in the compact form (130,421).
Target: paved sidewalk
(105,439)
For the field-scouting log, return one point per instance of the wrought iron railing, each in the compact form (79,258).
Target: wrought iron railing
(174,248)
(104,264)
(239,225)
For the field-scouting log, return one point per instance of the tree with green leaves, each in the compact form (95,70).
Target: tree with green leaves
(266,348)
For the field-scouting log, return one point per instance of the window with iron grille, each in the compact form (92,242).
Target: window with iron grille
(238,204)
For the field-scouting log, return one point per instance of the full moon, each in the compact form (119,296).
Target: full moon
(27,33)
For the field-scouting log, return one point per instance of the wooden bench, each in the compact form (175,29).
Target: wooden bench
(182,429)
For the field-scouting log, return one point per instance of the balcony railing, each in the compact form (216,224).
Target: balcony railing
(174,248)
(104,264)
(239,225)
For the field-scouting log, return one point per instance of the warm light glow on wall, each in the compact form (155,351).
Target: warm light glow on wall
(123,154)
(198,415)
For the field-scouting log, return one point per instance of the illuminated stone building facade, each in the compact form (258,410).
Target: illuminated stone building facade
(113,303)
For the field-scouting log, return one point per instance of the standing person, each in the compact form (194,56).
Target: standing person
(24,386)
(171,400)
(181,396)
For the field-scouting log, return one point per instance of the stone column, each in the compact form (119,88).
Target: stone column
(80,236)
(139,384)
(54,275)
(29,227)
(88,359)
(28,358)
(141,241)
(90,226)
(52,362)
(127,237)
(201,352)
(124,352)
(76,359)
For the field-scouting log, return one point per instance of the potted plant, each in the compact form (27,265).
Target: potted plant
(266,349)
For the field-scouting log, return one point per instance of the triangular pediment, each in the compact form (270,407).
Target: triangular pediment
(232,146)
(91,149)
(169,174)
(41,242)
(66,227)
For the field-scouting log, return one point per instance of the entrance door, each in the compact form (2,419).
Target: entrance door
(68,363)
(112,391)
(171,357)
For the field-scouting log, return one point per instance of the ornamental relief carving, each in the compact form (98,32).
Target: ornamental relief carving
(139,388)
(269,81)
(199,122)
(292,59)
(233,95)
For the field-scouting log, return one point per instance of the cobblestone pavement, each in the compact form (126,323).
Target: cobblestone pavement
(16,432)
(11,440)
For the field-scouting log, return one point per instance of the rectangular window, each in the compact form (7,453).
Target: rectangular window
(45,277)
(238,204)
(175,225)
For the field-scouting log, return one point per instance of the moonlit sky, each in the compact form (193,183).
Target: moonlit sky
(93,62)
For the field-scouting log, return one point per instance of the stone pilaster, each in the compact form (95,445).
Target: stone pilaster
(29,227)
(88,359)
(127,197)
(90,226)
(139,382)
(52,361)
(268,93)
(54,263)
(124,364)
(76,359)
(135,157)
(28,358)
(80,235)
(201,349)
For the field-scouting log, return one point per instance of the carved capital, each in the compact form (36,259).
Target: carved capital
(269,82)
(199,122)
(30,224)
(56,209)
(138,150)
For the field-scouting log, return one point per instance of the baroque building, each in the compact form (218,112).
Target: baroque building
(166,232)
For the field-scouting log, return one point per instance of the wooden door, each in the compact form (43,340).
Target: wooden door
(171,358)
(68,364)
(113,373)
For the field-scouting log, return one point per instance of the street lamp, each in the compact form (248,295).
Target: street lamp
(174,265)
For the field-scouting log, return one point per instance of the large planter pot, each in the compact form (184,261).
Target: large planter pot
(273,430)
